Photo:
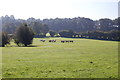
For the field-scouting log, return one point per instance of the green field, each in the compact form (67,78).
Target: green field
(84,58)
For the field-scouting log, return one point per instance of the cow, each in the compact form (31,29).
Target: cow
(71,41)
(52,40)
(62,41)
(67,41)
(42,40)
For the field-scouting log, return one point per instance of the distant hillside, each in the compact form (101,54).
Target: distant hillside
(78,24)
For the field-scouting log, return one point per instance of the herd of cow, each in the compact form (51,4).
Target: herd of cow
(62,41)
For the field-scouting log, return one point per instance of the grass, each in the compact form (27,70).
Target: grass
(85,58)
(0,63)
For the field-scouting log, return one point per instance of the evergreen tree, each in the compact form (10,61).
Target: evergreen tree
(24,35)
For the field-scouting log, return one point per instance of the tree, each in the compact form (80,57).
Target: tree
(24,35)
(66,33)
(44,29)
(39,28)
(4,39)
(52,33)
(106,24)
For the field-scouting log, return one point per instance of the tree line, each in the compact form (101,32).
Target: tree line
(77,24)
(113,35)
(110,35)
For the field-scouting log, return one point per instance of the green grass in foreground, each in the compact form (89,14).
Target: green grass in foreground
(62,60)
(0,63)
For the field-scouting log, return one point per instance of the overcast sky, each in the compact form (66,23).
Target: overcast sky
(94,9)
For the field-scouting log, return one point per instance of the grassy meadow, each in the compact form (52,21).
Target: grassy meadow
(0,63)
(84,58)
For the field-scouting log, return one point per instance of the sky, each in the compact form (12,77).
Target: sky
(42,9)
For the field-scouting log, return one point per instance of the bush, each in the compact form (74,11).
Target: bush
(66,33)
(24,35)
(4,39)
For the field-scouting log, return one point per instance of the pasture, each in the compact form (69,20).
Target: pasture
(84,58)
